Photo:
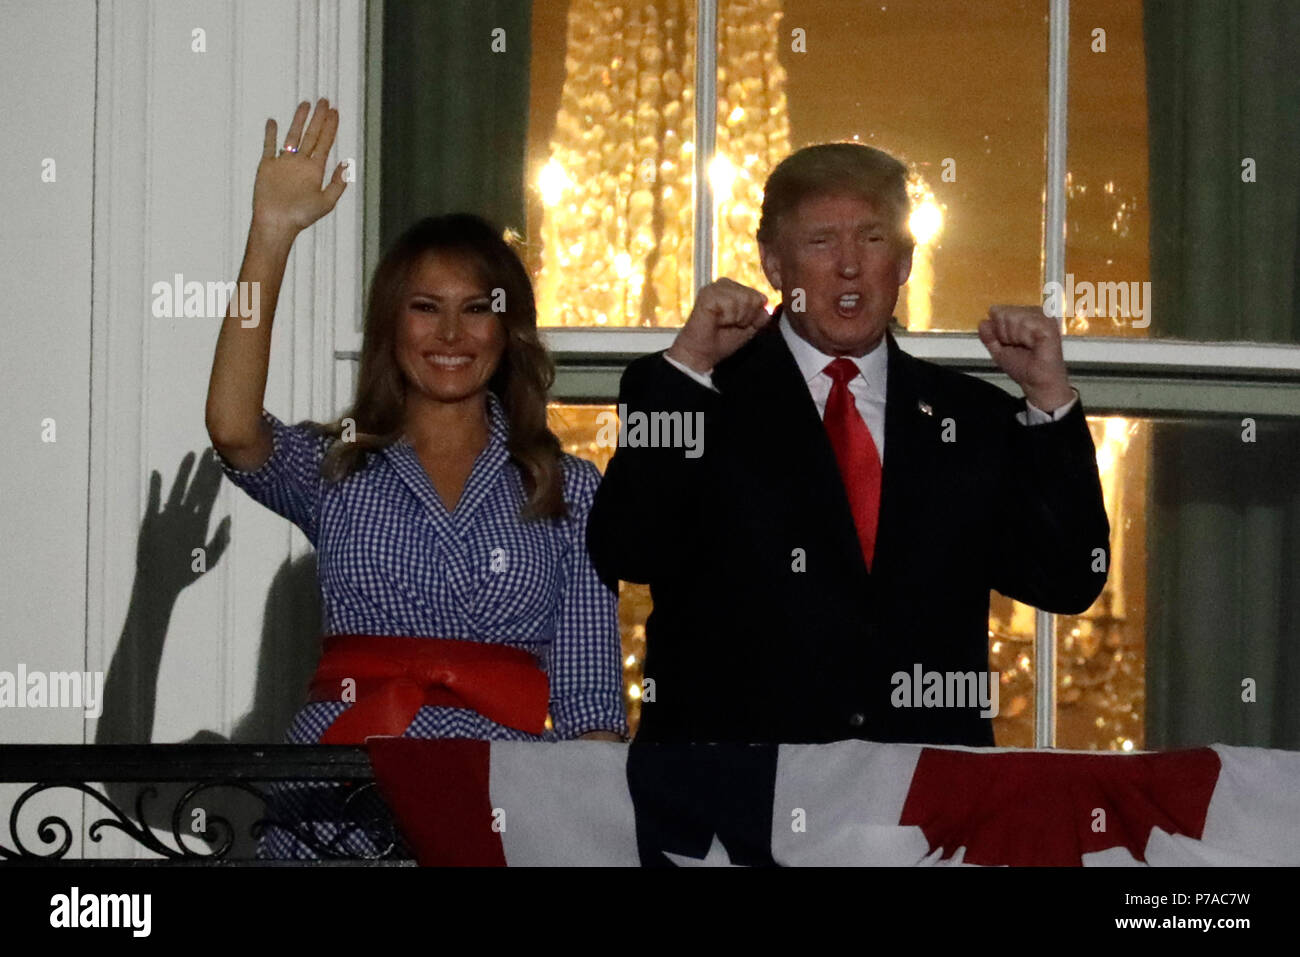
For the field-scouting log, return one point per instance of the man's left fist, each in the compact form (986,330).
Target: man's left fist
(1026,345)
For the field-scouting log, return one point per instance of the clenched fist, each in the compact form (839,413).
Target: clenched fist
(1026,345)
(726,315)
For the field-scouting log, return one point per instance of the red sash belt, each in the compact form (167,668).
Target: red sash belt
(394,676)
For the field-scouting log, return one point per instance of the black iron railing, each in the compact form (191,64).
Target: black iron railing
(199,804)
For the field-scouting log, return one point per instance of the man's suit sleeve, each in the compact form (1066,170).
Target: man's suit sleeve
(642,516)
(1052,517)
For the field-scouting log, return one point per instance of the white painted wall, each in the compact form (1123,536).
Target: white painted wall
(156,146)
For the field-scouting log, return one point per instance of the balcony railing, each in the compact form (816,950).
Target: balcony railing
(194,804)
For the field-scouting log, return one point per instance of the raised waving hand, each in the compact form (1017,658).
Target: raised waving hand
(287,192)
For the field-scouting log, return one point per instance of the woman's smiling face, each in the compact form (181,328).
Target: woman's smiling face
(449,341)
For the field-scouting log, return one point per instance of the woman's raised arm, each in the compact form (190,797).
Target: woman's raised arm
(287,198)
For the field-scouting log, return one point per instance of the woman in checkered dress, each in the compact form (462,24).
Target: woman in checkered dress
(440,505)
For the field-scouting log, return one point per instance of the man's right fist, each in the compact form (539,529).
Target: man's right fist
(726,315)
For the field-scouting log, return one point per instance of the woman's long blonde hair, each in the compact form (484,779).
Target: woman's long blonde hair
(522,379)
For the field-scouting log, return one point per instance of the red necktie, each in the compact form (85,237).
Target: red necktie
(856,454)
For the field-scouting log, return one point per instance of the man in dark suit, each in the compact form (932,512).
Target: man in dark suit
(796,571)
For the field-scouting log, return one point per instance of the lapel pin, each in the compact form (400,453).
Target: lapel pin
(924,407)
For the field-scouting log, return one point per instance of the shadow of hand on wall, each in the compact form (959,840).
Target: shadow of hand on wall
(166,564)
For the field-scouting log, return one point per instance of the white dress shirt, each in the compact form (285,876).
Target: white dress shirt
(868,388)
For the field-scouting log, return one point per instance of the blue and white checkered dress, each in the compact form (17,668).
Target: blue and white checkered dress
(393,561)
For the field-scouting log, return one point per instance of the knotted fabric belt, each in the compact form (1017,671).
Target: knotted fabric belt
(394,676)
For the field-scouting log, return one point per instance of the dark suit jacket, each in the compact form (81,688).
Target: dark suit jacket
(742,646)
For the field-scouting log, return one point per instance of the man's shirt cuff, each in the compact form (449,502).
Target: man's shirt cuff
(1036,416)
(703,378)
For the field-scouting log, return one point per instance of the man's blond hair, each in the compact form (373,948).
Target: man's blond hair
(830,169)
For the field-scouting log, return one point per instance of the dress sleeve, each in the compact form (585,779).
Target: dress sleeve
(586,659)
(289,482)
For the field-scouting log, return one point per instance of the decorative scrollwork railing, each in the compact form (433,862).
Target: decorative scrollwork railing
(211,803)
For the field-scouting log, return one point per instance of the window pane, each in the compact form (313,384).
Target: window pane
(1101,654)
(1107,206)
(956,90)
(1205,519)
(1184,161)
(611,133)
(1223,569)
